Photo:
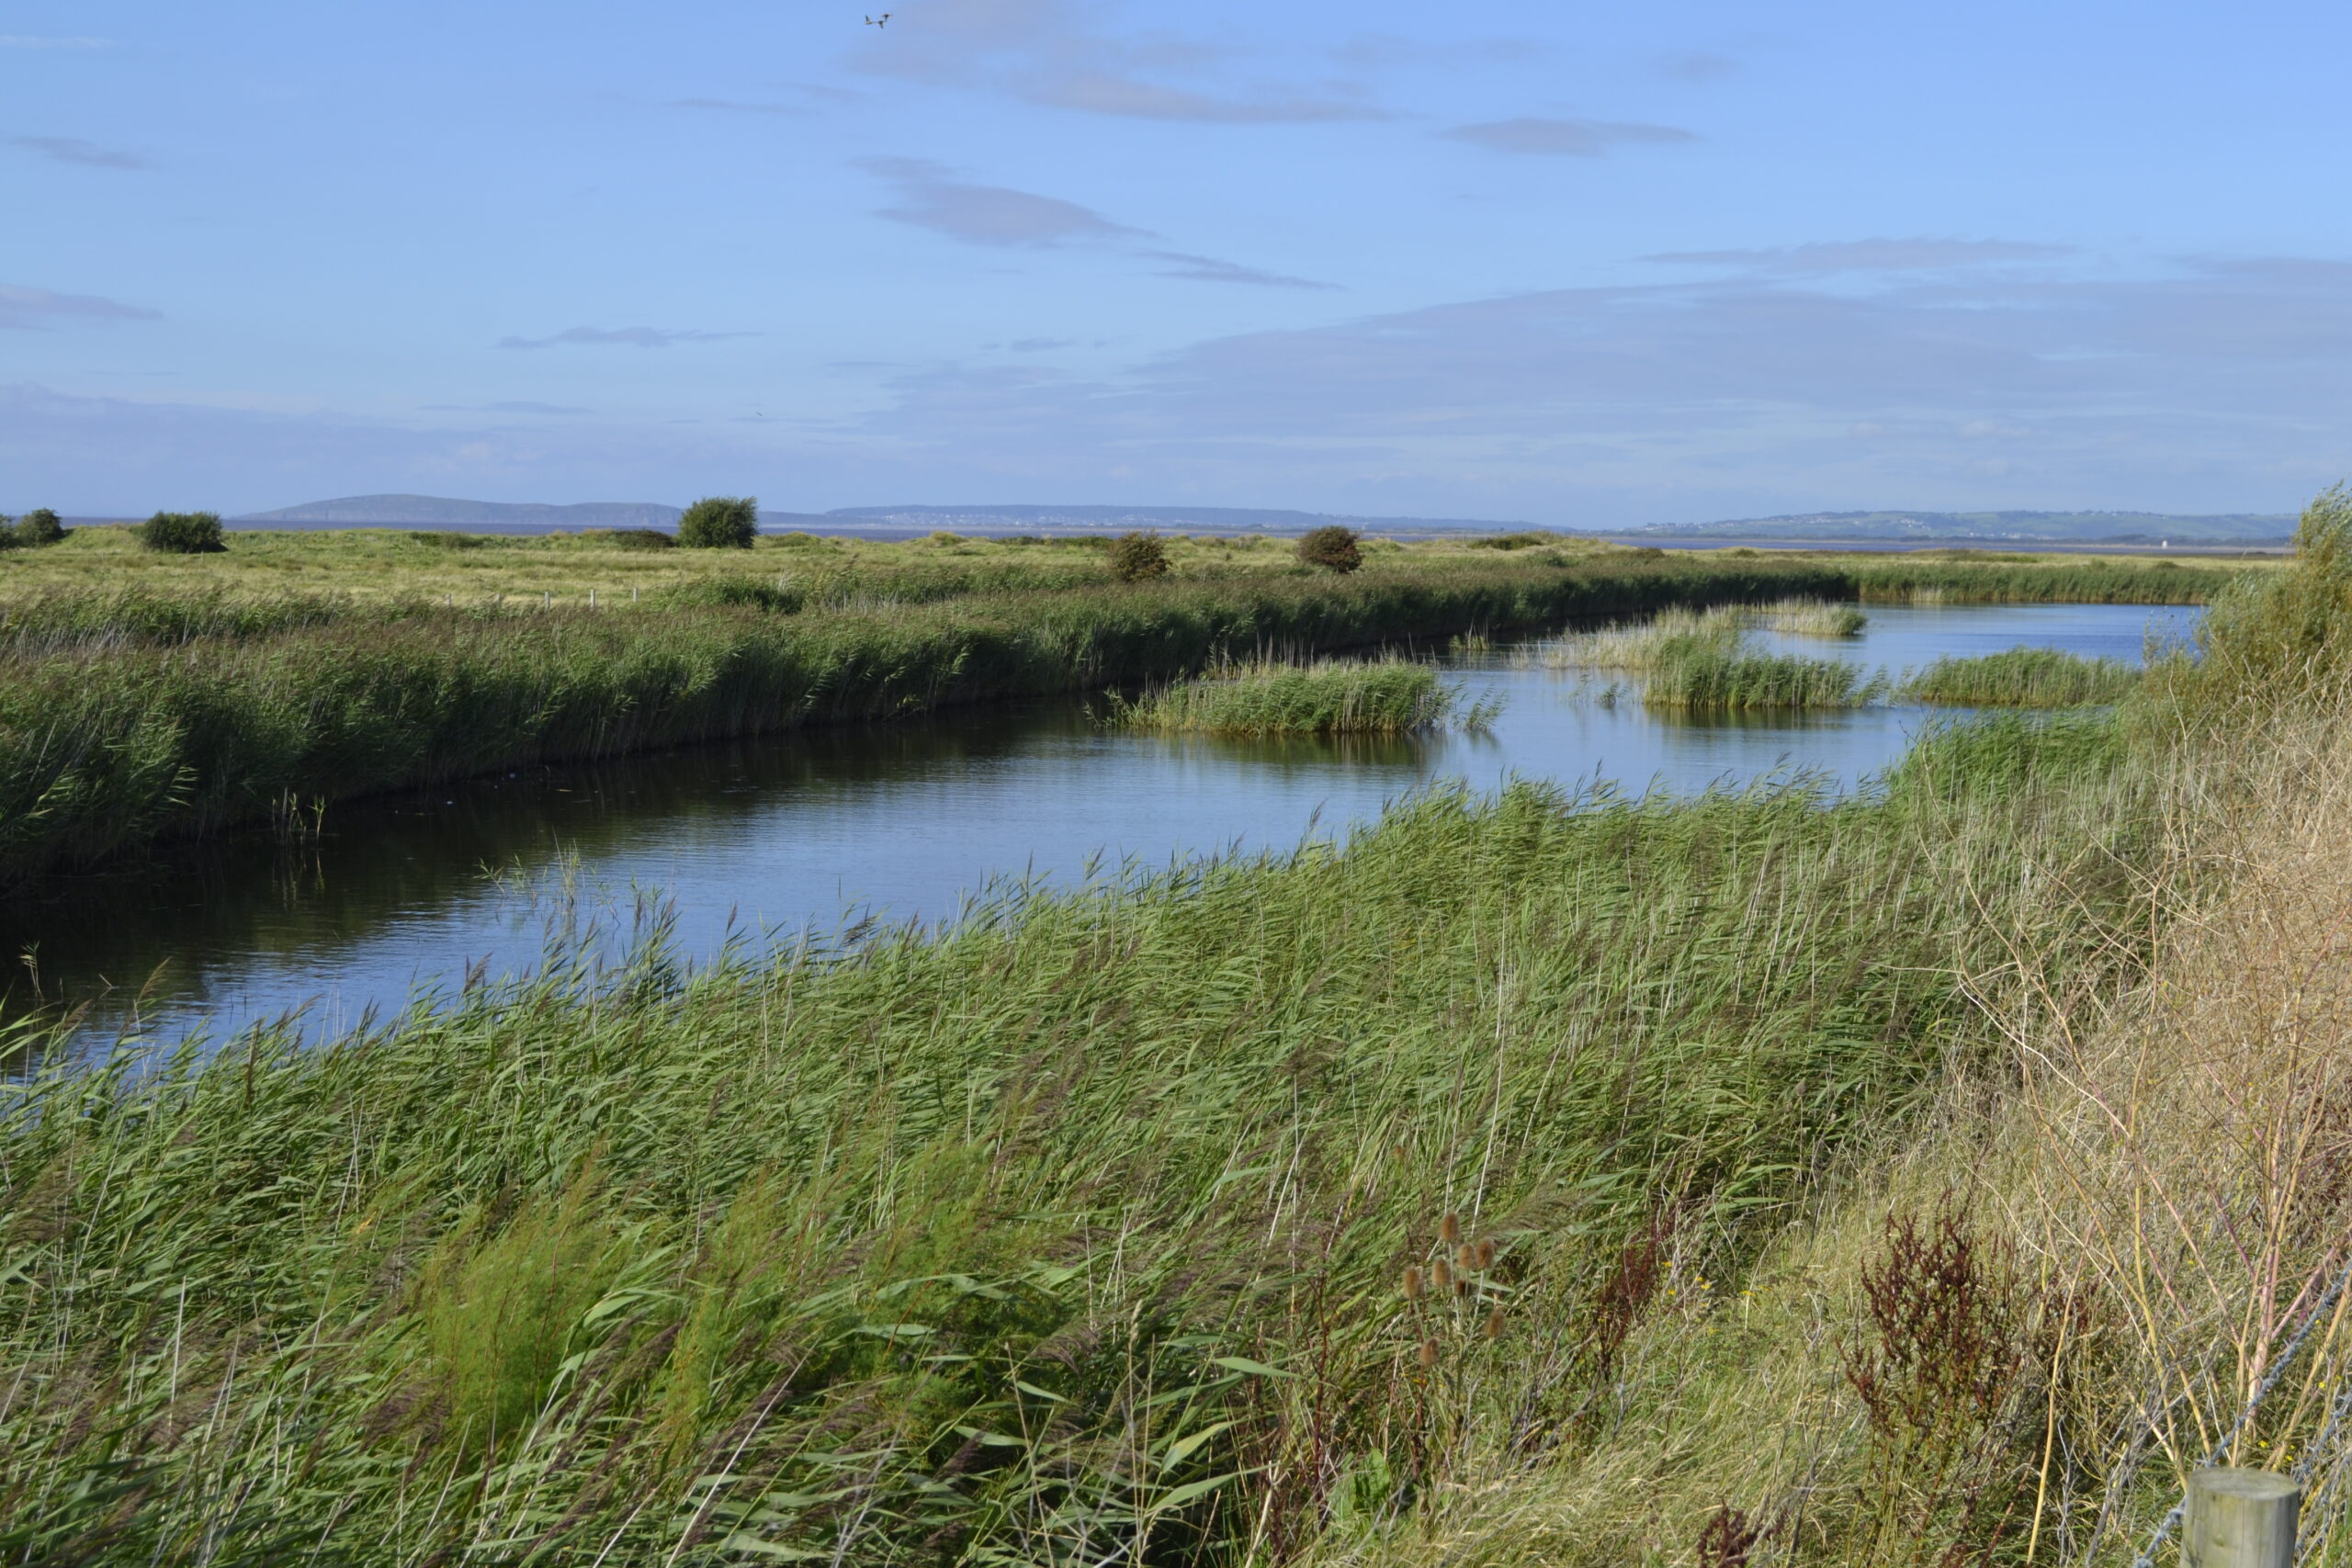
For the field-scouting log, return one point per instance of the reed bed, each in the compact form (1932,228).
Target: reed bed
(1532,1178)
(1646,645)
(1813,617)
(109,742)
(1268,1209)
(1385,696)
(2021,677)
(1712,680)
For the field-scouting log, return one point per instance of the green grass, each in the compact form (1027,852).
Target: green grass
(1813,617)
(1387,696)
(1710,679)
(1073,1234)
(2021,677)
(134,714)
(1643,648)
(1076,1232)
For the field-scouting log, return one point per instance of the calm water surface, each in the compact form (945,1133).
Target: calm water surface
(763,841)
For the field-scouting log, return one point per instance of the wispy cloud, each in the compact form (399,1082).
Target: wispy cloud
(74,150)
(929,197)
(1696,66)
(804,98)
(2217,387)
(626,337)
(25,40)
(932,197)
(1046,52)
(1565,138)
(1822,258)
(519,407)
(1209,269)
(25,308)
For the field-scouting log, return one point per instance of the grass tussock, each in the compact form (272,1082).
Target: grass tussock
(1387,696)
(1706,679)
(2023,678)
(1813,617)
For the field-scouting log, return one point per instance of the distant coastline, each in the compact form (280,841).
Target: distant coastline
(2036,532)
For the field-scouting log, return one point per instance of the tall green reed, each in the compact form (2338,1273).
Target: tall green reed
(1075,1232)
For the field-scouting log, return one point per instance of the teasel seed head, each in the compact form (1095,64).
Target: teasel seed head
(1449,1229)
(1486,1255)
(1428,1354)
(1413,1284)
(1441,1274)
(1495,1324)
(1460,1285)
(1465,1258)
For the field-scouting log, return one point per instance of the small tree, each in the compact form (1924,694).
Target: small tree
(1332,547)
(1136,558)
(40,526)
(720,522)
(181,533)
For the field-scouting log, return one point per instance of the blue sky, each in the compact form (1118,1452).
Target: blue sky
(1584,267)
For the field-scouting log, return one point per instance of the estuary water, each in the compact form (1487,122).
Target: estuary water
(803,835)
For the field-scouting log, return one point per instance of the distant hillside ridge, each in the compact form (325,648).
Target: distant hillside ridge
(2078,527)
(445,512)
(1123,518)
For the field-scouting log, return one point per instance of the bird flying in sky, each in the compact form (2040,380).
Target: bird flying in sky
(881,21)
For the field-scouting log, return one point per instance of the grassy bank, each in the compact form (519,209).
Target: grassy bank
(126,718)
(1080,1232)
(1385,696)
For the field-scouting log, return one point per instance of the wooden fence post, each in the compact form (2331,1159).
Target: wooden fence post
(2241,1518)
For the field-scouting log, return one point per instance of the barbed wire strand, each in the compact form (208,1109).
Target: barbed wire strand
(2147,1557)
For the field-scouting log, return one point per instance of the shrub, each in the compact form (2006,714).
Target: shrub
(447,541)
(720,522)
(183,533)
(1137,557)
(1525,540)
(1332,547)
(40,526)
(641,539)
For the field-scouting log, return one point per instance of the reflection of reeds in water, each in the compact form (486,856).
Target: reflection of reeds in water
(1387,696)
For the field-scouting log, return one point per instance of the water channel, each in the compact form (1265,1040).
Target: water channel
(765,841)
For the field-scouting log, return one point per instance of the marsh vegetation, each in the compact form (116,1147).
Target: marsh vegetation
(1532,1177)
(1378,696)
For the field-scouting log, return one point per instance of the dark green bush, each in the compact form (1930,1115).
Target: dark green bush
(720,522)
(1135,557)
(1332,547)
(447,541)
(1520,541)
(40,526)
(183,533)
(641,539)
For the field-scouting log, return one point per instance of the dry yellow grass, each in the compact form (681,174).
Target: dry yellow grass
(2161,1173)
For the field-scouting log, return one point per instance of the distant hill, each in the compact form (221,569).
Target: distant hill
(2073,527)
(1217,518)
(441,512)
